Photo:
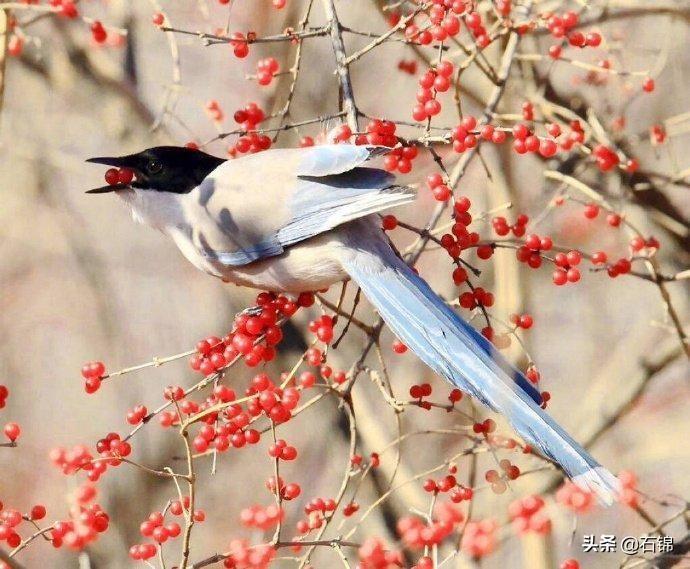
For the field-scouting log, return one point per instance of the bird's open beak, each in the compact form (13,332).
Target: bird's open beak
(106,189)
(115,161)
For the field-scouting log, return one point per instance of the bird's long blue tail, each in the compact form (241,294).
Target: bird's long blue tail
(456,351)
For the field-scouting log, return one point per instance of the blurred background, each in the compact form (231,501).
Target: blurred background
(81,281)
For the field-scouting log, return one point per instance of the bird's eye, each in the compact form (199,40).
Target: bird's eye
(154,166)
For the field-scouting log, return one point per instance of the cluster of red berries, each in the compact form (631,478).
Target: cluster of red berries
(282,451)
(215,111)
(436,80)
(525,140)
(464,135)
(248,118)
(475,298)
(66,8)
(576,134)
(225,435)
(243,555)
(288,491)
(11,519)
(460,238)
(638,243)
(527,515)
(560,24)
(114,176)
(575,498)
(93,373)
(523,321)
(438,186)
(71,461)
(620,267)
(408,66)
(530,252)
(375,554)
(502,228)
(497,480)
(475,25)
(266,70)
(341,133)
(567,271)
(383,133)
(316,510)
(84,527)
(606,158)
(485,427)
(156,528)
(137,414)
(110,448)
(240,44)
(262,518)
(350,508)
(273,401)
(416,534)
(420,391)
(445,484)
(322,327)
(479,539)
(449,484)
(253,337)
(443,20)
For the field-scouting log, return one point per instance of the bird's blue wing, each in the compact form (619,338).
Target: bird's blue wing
(275,199)
(322,203)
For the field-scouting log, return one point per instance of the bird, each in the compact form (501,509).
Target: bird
(292,220)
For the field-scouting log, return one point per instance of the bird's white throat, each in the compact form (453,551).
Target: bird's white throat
(160,210)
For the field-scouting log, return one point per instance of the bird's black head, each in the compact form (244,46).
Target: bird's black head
(163,168)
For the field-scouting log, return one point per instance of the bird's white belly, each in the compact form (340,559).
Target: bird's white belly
(307,266)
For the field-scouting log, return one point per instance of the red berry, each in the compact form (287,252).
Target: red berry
(12,431)
(591,211)
(38,512)
(560,277)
